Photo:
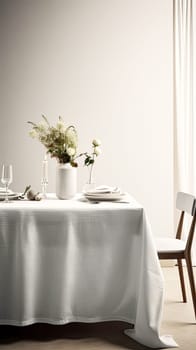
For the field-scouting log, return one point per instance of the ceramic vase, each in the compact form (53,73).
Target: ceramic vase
(66,181)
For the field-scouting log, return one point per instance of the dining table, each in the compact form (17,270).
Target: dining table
(76,260)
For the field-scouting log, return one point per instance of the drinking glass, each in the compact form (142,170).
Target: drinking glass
(6,178)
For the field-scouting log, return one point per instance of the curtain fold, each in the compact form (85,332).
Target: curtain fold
(184,124)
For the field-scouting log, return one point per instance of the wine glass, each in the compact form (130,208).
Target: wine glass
(6,178)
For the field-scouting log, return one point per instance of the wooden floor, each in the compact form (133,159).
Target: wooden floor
(178,320)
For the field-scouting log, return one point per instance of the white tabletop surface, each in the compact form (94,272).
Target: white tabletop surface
(72,260)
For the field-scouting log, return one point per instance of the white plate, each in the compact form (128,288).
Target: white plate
(9,193)
(10,196)
(3,191)
(105,197)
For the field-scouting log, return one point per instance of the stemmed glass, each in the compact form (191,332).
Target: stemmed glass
(6,178)
(44,180)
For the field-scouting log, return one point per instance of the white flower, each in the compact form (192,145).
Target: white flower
(60,126)
(71,137)
(96,142)
(42,127)
(33,133)
(97,151)
(71,151)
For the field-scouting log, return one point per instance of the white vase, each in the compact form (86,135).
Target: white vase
(66,181)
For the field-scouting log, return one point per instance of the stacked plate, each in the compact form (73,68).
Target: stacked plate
(11,194)
(104,193)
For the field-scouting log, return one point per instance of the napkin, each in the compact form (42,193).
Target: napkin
(103,189)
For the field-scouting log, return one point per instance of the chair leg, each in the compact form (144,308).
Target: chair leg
(192,281)
(181,274)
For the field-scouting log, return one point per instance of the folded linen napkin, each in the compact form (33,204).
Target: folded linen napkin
(104,189)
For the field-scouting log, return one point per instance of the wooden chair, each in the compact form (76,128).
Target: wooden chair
(169,248)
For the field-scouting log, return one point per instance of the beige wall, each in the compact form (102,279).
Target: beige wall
(106,67)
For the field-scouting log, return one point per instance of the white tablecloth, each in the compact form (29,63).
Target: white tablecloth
(66,261)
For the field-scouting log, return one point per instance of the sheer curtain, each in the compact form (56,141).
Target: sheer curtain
(184,118)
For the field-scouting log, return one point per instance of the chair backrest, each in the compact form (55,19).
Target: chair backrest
(187,204)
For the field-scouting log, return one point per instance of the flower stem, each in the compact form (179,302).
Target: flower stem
(91,169)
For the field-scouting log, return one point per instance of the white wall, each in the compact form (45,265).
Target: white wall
(106,67)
